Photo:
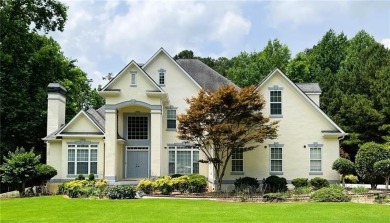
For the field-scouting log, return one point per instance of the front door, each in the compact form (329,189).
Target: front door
(137,162)
(137,129)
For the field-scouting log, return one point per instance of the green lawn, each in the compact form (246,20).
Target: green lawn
(59,209)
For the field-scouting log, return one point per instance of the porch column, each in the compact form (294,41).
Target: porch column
(156,141)
(110,164)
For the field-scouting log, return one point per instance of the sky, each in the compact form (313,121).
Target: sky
(104,36)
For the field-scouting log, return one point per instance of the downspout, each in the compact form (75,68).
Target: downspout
(104,157)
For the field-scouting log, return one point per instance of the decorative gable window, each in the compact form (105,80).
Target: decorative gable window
(276,159)
(315,158)
(275,101)
(238,161)
(161,76)
(82,159)
(183,159)
(133,76)
(171,118)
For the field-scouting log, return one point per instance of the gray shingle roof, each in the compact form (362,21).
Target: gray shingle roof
(102,111)
(53,134)
(309,87)
(97,118)
(205,76)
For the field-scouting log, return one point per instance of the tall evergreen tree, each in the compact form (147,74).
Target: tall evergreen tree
(29,62)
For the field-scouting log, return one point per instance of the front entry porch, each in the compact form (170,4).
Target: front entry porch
(138,142)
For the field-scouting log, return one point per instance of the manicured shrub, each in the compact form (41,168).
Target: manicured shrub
(83,188)
(274,197)
(318,183)
(18,168)
(351,179)
(343,167)
(275,184)
(330,194)
(43,173)
(91,176)
(197,183)
(249,184)
(164,185)
(181,183)
(80,177)
(382,168)
(146,185)
(300,182)
(121,192)
(368,154)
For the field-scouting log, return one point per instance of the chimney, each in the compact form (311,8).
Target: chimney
(56,104)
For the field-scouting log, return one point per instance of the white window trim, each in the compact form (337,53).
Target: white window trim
(74,146)
(133,78)
(315,172)
(272,146)
(271,89)
(240,172)
(175,149)
(163,72)
(172,109)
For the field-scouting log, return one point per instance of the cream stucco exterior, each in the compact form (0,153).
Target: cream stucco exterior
(136,95)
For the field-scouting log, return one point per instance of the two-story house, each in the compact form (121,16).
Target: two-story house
(134,135)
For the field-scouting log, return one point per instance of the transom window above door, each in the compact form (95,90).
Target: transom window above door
(137,127)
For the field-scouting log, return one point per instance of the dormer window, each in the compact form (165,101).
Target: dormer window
(133,80)
(161,76)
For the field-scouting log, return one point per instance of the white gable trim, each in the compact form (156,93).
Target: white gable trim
(123,73)
(303,95)
(169,56)
(74,118)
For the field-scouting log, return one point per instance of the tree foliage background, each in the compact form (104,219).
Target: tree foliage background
(354,75)
(30,60)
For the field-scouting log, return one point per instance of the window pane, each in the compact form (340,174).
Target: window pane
(315,153)
(276,159)
(237,154)
(237,165)
(133,81)
(162,78)
(82,155)
(71,155)
(195,168)
(137,128)
(183,159)
(276,165)
(184,162)
(171,114)
(195,156)
(276,96)
(93,155)
(171,124)
(171,156)
(70,167)
(315,165)
(171,168)
(93,167)
(276,108)
(82,167)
